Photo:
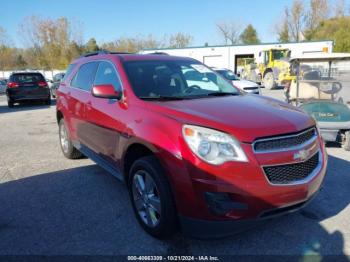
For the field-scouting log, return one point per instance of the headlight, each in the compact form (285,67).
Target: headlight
(212,146)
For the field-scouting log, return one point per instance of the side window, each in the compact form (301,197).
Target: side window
(84,78)
(68,72)
(106,74)
(266,58)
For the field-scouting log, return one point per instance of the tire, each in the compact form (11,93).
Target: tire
(269,81)
(10,103)
(68,150)
(48,101)
(156,213)
(346,142)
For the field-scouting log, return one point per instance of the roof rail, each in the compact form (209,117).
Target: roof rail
(157,53)
(121,53)
(103,52)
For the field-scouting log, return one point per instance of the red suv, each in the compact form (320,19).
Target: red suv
(189,146)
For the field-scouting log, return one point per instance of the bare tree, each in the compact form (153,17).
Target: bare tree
(230,32)
(180,40)
(135,44)
(6,53)
(318,12)
(282,31)
(339,8)
(132,44)
(50,40)
(296,18)
(2,36)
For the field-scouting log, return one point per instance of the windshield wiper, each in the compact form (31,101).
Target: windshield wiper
(222,94)
(162,98)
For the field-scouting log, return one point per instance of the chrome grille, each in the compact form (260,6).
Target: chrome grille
(291,173)
(284,142)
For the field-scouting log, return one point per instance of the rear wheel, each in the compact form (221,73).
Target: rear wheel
(10,103)
(68,150)
(151,198)
(48,101)
(346,141)
(269,81)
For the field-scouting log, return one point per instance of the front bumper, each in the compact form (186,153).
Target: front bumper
(24,95)
(204,229)
(245,194)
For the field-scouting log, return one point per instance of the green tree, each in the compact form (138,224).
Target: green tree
(283,33)
(336,29)
(74,51)
(317,13)
(20,62)
(249,35)
(91,45)
(48,41)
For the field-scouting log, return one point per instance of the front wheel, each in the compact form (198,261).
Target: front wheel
(68,150)
(346,141)
(269,81)
(151,198)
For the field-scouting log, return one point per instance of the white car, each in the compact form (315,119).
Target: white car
(245,85)
(3,84)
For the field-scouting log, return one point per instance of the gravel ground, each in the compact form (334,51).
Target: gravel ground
(53,206)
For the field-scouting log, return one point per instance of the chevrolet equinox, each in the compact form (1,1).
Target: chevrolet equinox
(192,149)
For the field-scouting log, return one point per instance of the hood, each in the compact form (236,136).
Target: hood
(247,117)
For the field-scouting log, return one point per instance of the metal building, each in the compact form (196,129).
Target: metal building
(229,56)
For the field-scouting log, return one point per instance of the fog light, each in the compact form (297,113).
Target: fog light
(220,203)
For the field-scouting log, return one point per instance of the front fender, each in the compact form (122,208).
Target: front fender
(166,144)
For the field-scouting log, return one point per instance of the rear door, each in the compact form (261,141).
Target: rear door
(78,95)
(30,85)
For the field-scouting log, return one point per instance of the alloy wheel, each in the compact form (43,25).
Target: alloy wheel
(146,198)
(64,139)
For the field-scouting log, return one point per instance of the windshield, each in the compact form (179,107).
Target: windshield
(228,74)
(175,79)
(280,54)
(323,81)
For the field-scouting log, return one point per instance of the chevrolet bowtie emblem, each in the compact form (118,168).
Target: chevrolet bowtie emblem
(302,155)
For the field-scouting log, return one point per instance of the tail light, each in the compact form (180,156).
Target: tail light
(42,84)
(12,84)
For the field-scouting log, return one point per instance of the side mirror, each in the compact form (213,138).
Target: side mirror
(106,91)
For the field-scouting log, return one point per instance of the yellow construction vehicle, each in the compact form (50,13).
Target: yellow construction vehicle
(271,69)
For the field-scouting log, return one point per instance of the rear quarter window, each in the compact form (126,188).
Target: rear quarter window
(68,72)
(85,76)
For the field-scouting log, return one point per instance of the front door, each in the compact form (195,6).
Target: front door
(105,116)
